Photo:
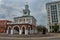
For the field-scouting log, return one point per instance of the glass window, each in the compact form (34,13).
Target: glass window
(59,6)
(53,7)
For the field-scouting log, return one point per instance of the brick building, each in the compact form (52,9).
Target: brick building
(3,25)
(25,24)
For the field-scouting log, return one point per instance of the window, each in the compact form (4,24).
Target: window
(59,12)
(48,13)
(53,7)
(20,20)
(54,15)
(25,12)
(24,20)
(50,27)
(59,6)
(27,20)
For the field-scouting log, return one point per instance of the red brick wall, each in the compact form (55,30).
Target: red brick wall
(3,24)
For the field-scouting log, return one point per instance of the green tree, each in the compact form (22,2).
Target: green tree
(39,28)
(56,28)
(44,30)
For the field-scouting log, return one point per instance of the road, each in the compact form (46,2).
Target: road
(30,38)
(50,36)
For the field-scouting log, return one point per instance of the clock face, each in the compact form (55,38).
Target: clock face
(25,12)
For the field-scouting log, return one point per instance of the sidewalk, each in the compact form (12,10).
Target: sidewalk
(18,38)
(48,35)
(31,35)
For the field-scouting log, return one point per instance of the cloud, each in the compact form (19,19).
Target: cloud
(12,8)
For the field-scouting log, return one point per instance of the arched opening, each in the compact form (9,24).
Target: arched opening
(23,30)
(9,30)
(16,30)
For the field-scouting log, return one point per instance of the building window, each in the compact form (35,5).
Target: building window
(59,12)
(53,7)
(54,15)
(24,20)
(50,27)
(20,20)
(25,12)
(59,6)
(27,20)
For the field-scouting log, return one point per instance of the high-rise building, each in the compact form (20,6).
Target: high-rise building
(53,14)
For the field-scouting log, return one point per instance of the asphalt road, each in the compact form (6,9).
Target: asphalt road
(51,39)
(32,38)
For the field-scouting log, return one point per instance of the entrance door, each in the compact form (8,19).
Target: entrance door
(16,30)
(23,30)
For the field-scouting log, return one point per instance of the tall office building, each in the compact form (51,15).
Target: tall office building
(53,14)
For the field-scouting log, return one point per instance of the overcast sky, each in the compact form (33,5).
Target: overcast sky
(13,8)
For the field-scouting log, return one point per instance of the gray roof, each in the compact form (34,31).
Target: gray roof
(52,2)
(24,17)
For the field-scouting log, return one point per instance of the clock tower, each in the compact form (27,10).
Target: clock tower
(25,24)
(26,11)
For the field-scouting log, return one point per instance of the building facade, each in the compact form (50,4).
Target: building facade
(3,24)
(53,14)
(25,24)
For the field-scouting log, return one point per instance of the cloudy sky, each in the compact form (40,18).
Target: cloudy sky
(13,8)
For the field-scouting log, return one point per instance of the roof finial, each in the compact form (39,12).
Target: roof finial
(26,5)
(26,2)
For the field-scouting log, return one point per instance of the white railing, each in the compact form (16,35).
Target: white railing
(20,23)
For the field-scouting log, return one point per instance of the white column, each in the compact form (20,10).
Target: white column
(11,31)
(7,31)
(48,27)
(20,32)
(26,32)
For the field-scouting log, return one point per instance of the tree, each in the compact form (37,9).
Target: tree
(55,28)
(39,28)
(44,30)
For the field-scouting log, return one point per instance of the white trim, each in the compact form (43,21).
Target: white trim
(16,26)
(7,31)
(26,32)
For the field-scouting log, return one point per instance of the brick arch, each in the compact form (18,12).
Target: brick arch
(8,27)
(24,27)
(16,26)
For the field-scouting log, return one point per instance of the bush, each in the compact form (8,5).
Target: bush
(56,28)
